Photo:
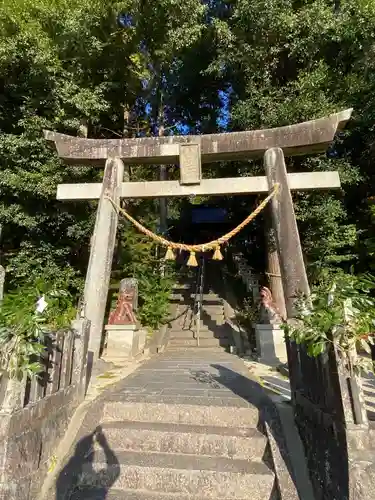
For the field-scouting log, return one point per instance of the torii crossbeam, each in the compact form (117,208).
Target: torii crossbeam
(303,138)
(191,151)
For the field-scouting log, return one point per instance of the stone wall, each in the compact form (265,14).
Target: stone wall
(331,417)
(34,415)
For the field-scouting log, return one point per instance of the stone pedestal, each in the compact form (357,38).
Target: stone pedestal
(270,342)
(139,341)
(124,341)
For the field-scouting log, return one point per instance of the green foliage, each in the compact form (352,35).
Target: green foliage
(66,66)
(342,315)
(23,329)
(285,62)
(248,314)
(47,56)
(367,236)
(155,292)
(139,257)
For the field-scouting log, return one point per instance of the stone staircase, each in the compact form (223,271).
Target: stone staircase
(186,425)
(204,445)
(213,331)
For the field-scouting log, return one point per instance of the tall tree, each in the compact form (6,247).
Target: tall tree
(98,68)
(287,62)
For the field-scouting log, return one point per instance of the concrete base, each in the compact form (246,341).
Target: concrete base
(124,341)
(270,344)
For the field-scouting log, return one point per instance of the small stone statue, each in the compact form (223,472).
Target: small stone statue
(130,285)
(123,314)
(269,313)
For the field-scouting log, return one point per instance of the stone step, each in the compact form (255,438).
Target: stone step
(218,331)
(185,327)
(246,444)
(219,320)
(209,299)
(190,414)
(363,439)
(203,333)
(203,341)
(188,307)
(181,299)
(190,325)
(209,306)
(190,318)
(183,286)
(205,316)
(114,494)
(205,324)
(204,348)
(186,474)
(212,297)
(190,300)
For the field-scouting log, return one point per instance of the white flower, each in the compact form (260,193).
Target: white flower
(331,294)
(41,305)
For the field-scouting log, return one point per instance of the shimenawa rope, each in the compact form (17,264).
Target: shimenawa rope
(211,245)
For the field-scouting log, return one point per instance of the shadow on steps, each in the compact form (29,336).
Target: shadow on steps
(83,455)
(284,453)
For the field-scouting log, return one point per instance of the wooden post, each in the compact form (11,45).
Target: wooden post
(102,248)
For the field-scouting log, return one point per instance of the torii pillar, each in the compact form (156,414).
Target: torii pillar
(102,249)
(273,266)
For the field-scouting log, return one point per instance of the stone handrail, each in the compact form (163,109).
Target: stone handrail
(249,278)
(240,336)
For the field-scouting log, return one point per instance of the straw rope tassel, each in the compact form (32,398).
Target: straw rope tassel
(192,262)
(217,254)
(170,255)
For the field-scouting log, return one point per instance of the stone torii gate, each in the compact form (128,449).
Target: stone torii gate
(191,151)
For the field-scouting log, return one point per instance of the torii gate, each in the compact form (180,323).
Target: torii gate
(191,151)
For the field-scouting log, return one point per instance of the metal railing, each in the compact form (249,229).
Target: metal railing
(198,299)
